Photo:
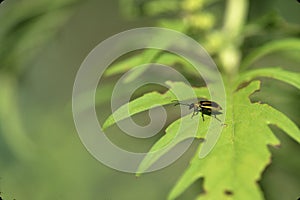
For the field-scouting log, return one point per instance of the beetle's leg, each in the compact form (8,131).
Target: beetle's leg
(196,111)
(200,110)
(220,121)
(217,118)
(193,115)
(202,116)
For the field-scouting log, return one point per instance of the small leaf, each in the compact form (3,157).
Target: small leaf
(134,61)
(148,56)
(291,78)
(153,99)
(123,66)
(277,45)
(176,132)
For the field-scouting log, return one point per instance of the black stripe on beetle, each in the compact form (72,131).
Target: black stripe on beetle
(209,108)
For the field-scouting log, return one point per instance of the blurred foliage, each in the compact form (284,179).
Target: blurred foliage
(29,19)
(41,154)
(26,27)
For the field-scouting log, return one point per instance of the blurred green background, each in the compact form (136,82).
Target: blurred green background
(42,44)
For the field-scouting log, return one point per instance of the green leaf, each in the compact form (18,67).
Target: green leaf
(145,57)
(291,78)
(235,164)
(153,99)
(242,150)
(176,132)
(124,65)
(277,45)
(148,56)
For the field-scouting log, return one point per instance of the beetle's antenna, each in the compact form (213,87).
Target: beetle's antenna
(179,103)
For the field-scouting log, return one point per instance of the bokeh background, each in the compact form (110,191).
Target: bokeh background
(42,44)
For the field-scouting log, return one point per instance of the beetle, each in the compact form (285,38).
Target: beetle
(206,107)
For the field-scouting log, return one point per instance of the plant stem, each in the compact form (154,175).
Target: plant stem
(234,20)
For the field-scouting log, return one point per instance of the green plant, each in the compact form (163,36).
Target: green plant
(26,28)
(233,167)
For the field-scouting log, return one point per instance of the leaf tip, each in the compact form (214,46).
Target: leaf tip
(108,122)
